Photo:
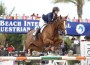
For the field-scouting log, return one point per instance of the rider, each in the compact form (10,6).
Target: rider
(50,17)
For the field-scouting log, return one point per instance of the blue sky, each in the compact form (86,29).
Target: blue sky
(43,7)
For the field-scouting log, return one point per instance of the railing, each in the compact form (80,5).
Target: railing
(45,58)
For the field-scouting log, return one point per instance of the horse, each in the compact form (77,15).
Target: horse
(49,37)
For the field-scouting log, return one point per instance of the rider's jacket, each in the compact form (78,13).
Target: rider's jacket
(49,17)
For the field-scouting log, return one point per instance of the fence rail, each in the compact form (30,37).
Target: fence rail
(45,58)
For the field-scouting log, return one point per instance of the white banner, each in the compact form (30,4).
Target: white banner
(7,63)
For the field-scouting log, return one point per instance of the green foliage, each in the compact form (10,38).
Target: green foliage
(14,39)
(2,9)
(73,62)
(57,1)
(23,38)
(78,3)
(68,41)
(2,39)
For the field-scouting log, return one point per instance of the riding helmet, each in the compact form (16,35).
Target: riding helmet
(55,9)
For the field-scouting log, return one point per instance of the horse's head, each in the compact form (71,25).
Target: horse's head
(61,23)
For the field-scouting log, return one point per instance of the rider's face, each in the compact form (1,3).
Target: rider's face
(56,12)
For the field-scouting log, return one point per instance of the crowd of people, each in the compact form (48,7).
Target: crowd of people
(6,50)
(23,17)
(37,17)
(74,46)
(78,20)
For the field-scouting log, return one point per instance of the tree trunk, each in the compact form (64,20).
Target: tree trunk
(79,9)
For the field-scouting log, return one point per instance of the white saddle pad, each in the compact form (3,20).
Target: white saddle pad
(43,27)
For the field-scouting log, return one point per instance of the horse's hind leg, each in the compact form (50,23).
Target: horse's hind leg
(31,50)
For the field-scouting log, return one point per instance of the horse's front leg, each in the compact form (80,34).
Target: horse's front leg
(58,41)
(50,44)
(48,41)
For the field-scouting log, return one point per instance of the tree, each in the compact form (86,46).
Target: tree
(15,40)
(78,3)
(2,39)
(23,38)
(2,9)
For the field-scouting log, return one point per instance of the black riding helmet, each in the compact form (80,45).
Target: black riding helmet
(55,9)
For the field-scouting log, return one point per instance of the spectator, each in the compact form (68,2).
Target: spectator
(33,16)
(74,45)
(64,48)
(3,52)
(23,17)
(37,17)
(10,49)
(70,53)
(74,19)
(68,19)
(73,48)
(72,39)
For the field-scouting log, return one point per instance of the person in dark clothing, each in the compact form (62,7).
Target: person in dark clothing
(50,17)
(64,48)
(3,52)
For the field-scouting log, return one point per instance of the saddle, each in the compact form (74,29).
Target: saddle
(39,30)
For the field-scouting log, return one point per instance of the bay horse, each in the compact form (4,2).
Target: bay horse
(49,36)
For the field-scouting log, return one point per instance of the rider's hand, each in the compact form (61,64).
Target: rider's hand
(52,20)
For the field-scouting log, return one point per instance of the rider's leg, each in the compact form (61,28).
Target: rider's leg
(38,30)
(35,34)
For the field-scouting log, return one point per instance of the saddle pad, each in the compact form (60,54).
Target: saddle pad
(42,28)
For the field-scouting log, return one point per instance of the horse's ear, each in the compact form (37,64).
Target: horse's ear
(66,17)
(60,17)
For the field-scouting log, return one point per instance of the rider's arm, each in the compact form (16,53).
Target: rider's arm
(50,17)
(55,17)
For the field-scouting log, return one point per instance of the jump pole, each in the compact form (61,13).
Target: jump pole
(45,58)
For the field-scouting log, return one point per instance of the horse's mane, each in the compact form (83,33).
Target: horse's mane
(30,30)
(50,23)
(54,21)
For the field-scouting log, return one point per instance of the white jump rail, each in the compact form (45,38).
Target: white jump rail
(45,58)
